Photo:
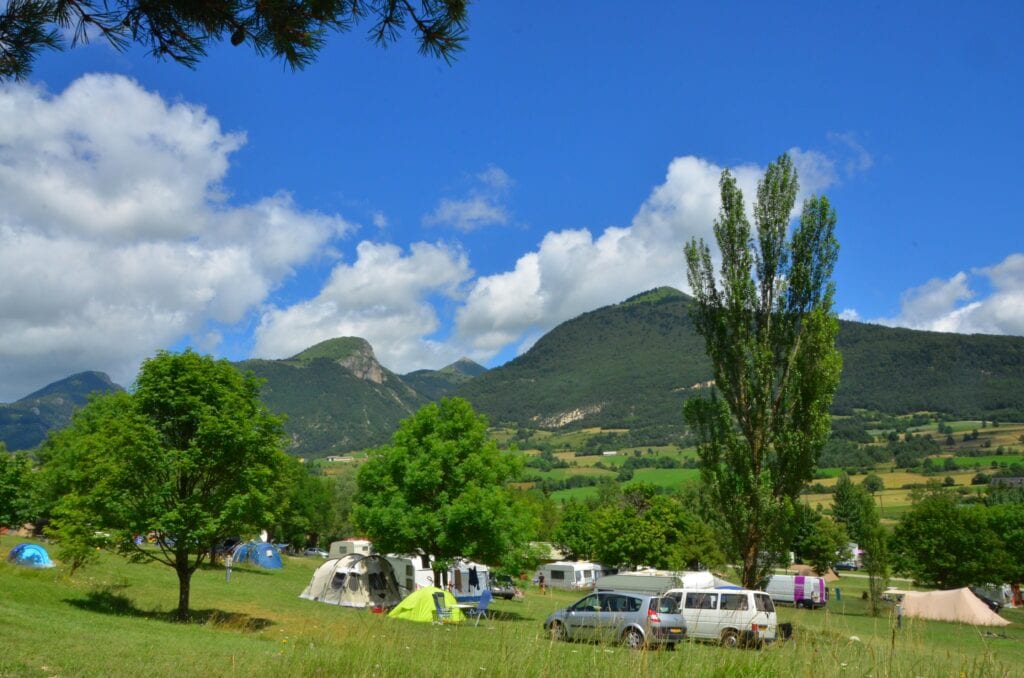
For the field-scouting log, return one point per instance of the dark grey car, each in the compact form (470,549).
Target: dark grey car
(635,619)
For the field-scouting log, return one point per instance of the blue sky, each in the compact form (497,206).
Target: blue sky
(559,165)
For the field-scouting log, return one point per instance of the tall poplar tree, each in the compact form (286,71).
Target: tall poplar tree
(769,328)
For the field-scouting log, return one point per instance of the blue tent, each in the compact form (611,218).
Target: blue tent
(258,553)
(29,555)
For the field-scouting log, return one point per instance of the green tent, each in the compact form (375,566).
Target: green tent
(419,606)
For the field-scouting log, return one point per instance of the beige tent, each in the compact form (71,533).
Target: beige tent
(808,571)
(956,605)
(354,581)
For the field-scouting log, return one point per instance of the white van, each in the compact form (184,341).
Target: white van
(797,590)
(732,616)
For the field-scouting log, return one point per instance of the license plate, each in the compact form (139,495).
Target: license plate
(675,630)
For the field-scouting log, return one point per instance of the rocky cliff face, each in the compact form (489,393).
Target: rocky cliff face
(363,364)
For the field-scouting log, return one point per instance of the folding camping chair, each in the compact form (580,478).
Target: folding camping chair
(442,614)
(481,608)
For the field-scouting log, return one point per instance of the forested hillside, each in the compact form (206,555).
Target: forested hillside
(25,423)
(898,371)
(336,397)
(627,366)
(436,384)
(633,364)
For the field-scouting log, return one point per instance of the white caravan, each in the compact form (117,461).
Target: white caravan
(350,547)
(468,580)
(573,575)
(410,573)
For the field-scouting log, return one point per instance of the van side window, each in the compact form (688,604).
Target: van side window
(763,603)
(735,601)
(702,601)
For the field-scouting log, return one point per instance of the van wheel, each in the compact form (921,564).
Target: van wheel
(730,638)
(633,639)
(558,631)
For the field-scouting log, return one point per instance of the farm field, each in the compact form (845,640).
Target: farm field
(112,619)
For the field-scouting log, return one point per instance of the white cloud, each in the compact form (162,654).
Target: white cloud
(939,305)
(573,271)
(116,238)
(383,297)
(849,314)
(861,160)
(816,170)
(484,205)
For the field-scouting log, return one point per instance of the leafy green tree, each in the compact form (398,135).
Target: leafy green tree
(873,483)
(441,488)
(819,540)
(769,330)
(648,528)
(576,534)
(1007,522)
(875,544)
(291,30)
(317,508)
(190,456)
(851,505)
(17,489)
(943,544)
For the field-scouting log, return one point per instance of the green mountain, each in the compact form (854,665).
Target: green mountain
(630,365)
(336,397)
(633,364)
(436,384)
(24,423)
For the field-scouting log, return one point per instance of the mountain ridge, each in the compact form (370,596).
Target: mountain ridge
(627,365)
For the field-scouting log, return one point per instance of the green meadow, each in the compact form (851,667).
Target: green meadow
(115,618)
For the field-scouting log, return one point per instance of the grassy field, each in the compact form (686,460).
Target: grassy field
(113,619)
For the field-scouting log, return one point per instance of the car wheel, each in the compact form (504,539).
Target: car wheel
(730,638)
(633,639)
(558,631)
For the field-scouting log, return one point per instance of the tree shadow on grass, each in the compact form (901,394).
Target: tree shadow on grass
(107,600)
(505,615)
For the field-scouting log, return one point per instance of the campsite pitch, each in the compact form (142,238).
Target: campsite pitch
(116,619)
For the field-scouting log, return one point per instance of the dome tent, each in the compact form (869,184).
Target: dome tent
(419,606)
(354,581)
(258,553)
(29,555)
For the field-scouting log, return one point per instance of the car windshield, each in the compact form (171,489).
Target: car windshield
(665,605)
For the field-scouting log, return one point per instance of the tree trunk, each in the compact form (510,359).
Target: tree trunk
(184,584)
(750,565)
